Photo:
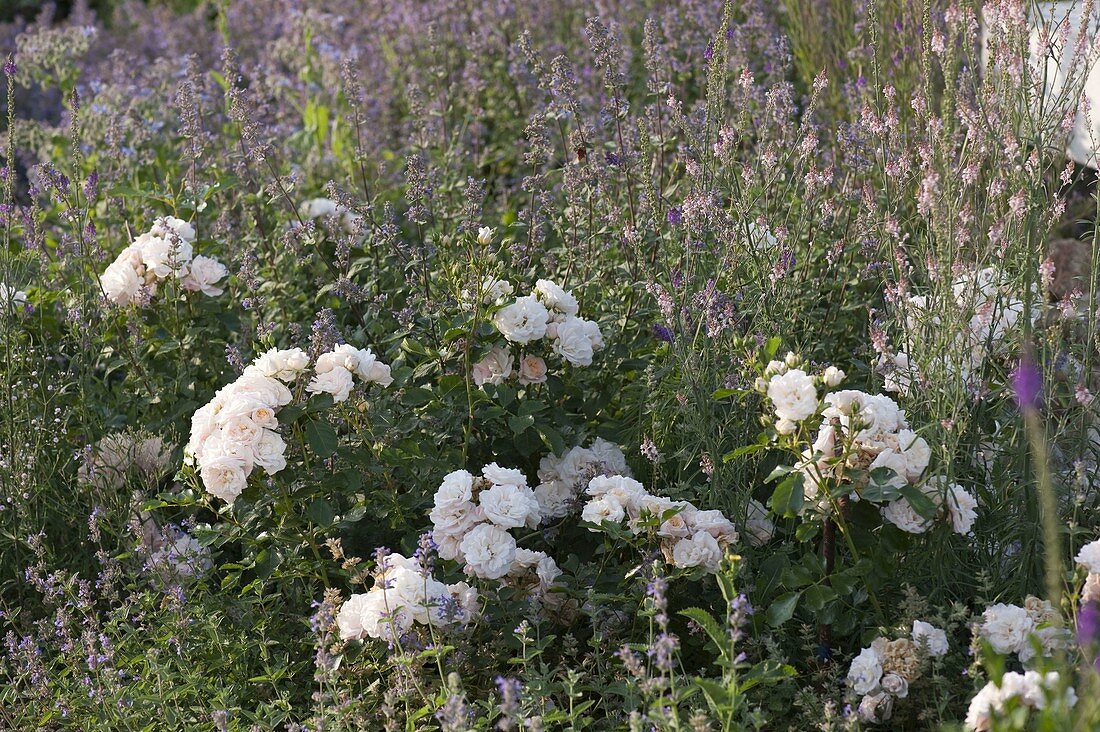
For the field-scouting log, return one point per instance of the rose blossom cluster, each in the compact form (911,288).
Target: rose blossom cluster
(238,429)
(549,313)
(689,537)
(953,503)
(405,593)
(334,371)
(793,392)
(882,672)
(162,252)
(1030,689)
(866,432)
(985,299)
(1016,629)
(563,478)
(471,519)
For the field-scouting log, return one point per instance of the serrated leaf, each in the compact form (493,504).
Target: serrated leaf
(788,498)
(321,438)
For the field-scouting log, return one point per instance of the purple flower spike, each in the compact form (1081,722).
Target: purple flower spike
(1027,383)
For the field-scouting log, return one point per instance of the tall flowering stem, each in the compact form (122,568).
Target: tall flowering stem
(1027,383)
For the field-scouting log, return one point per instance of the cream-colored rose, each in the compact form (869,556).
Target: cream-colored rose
(532,370)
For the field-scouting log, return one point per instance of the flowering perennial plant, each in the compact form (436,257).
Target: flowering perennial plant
(162,252)
(688,537)
(580,238)
(882,672)
(405,594)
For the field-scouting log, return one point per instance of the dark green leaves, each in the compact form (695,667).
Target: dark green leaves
(789,497)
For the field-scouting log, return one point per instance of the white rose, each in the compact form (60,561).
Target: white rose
(713,522)
(901,375)
(454,518)
(225,476)
(604,508)
(510,506)
(793,395)
(613,459)
(1006,627)
(268,452)
(895,462)
(547,570)
(239,431)
(252,384)
(832,377)
(758,526)
(350,618)
(456,488)
(574,341)
(595,337)
(962,508)
(979,716)
(493,291)
(554,297)
(448,545)
(935,640)
(916,451)
(701,550)
(625,490)
(676,526)
(466,603)
(375,615)
(865,671)
(411,590)
(880,415)
(342,355)
(323,208)
(494,368)
(523,321)
(575,465)
(532,370)
(163,257)
(317,207)
(555,498)
(485,235)
(369,368)
(120,282)
(337,382)
(1089,556)
(284,365)
(167,225)
(489,551)
(503,476)
(204,275)
(902,515)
